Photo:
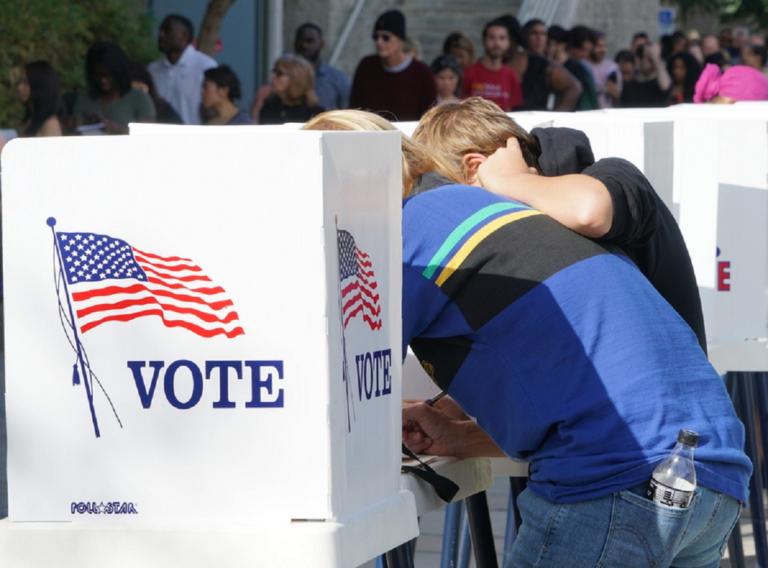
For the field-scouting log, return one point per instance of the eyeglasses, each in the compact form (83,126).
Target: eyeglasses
(278,72)
(382,36)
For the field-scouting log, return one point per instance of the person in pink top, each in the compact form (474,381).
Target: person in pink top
(489,77)
(738,83)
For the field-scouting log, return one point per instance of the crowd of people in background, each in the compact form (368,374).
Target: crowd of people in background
(528,67)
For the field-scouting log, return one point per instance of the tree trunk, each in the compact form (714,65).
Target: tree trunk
(209,30)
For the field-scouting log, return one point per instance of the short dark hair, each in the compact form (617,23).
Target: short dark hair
(513,28)
(579,35)
(223,76)
(495,23)
(533,22)
(625,56)
(181,20)
(640,35)
(114,60)
(557,34)
(309,26)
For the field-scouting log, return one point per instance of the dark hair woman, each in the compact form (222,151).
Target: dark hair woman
(110,99)
(38,89)
(221,88)
(684,71)
(448,74)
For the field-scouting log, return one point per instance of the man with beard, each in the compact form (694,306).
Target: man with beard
(489,77)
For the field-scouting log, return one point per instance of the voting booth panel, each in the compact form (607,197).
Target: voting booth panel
(740,307)
(201,343)
(738,328)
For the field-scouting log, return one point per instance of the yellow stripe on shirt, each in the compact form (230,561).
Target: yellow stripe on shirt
(477,238)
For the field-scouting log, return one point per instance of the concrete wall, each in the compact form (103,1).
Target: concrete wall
(619,19)
(428,21)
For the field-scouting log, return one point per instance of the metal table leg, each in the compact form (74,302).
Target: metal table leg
(481,531)
(451,532)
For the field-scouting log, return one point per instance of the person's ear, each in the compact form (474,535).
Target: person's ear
(470,164)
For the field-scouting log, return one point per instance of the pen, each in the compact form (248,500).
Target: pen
(434,399)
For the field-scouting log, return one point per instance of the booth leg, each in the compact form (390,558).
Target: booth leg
(480,528)
(451,535)
(748,398)
(400,557)
(465,544)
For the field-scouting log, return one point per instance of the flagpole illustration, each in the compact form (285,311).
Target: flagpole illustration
(78,346)
(345,371)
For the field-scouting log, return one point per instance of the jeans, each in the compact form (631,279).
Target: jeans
(624,530)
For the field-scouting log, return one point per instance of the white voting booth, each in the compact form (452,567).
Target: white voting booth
(203,349)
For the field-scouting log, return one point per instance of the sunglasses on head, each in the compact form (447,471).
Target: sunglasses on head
(278,72)
(382,36)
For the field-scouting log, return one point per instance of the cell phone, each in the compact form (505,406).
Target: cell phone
(613,78)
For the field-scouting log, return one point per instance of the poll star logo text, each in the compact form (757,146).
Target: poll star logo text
(265,379)
(102,508)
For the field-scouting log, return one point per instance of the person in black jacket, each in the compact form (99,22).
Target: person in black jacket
(609,200)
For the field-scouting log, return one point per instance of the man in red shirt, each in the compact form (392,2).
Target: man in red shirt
(489,77)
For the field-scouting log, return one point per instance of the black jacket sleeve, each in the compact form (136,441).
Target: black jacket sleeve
(635,202)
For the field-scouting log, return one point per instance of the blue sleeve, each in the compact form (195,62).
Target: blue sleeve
(344,85)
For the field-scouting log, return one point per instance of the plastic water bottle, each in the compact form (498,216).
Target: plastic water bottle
(674,480)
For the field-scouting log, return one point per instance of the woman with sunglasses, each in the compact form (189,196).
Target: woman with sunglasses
(290,96)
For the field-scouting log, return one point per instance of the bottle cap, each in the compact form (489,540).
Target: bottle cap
(688,437)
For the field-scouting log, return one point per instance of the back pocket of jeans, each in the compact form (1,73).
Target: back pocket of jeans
(642,533)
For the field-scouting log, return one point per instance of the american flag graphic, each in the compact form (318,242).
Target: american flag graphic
(358,283)
(111,281)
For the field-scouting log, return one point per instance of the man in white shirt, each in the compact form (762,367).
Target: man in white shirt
(179,75)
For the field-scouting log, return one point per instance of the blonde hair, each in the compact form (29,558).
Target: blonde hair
(412,47)
(452,130)
(459,40)
(301,89)
(417,161)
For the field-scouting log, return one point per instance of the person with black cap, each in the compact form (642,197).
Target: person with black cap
(489,78)
(391,83)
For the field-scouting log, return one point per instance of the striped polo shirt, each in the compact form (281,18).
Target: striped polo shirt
(559,347)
